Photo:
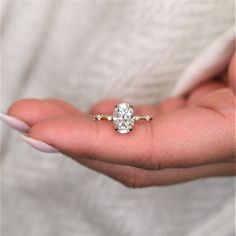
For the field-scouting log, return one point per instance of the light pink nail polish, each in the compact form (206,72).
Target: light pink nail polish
(14,123)
(39,145)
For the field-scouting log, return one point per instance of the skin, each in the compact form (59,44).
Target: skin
(191,137)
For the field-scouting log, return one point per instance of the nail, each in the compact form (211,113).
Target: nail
(39,145)
(14,123)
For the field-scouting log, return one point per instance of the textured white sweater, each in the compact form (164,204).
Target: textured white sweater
(84,51)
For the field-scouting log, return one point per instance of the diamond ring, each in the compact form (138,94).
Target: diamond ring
(123,118)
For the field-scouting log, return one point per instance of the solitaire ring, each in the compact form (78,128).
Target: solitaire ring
(123,118)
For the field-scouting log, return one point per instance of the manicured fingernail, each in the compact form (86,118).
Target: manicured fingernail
(39,145)
(14,123)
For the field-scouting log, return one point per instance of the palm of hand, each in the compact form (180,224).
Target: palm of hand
(191,137)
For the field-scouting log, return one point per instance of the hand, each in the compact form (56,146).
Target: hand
(191,137)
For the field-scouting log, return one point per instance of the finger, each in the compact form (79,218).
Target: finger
(203,90)
(167,105)
(35,110)
(136,177)
(221,101)
(172,104)
(175,139)
(232,74)
(208,87)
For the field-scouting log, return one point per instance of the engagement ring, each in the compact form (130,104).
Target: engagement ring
(123,118)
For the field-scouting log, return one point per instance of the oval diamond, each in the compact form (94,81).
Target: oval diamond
(123,118)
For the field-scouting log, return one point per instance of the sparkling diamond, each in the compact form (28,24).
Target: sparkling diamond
(123,118)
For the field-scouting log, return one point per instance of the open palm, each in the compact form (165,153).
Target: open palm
(190,137)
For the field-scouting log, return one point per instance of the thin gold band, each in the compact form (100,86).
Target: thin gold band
(109,117)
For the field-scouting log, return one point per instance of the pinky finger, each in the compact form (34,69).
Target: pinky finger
(137,178)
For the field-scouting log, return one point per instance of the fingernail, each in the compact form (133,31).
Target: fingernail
(39,145)
(14,123)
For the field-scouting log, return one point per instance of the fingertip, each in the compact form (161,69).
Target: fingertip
(32,111)
(71,135)
(23,109)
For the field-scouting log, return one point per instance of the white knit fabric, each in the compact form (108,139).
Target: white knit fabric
(84,51)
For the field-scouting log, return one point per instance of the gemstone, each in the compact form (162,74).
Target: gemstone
(123,118)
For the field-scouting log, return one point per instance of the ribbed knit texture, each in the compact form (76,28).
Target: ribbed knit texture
(84,51)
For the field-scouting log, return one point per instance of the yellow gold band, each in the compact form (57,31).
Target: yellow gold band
(109,117)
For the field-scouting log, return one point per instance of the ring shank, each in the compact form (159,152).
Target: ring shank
(144,117)
(109,117)
(102,117)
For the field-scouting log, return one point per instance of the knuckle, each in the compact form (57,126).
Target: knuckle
(144,151)
(132,183)
(129,177)
(166,161)
(156,157)
(149,158)
(133,180)
(49,102)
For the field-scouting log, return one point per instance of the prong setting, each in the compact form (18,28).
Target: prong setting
(123,118)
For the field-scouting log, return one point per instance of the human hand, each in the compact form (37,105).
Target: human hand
(191,137)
